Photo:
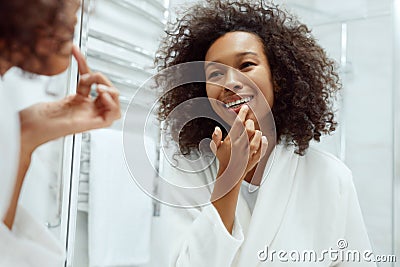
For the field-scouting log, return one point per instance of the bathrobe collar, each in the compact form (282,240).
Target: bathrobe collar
(271,205)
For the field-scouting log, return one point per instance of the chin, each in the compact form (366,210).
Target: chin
(56,68)
(51,67)
(56,71)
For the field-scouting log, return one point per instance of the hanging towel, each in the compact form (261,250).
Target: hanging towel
(120,213)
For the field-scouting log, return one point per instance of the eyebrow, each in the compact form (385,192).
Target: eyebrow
(246,53)
(242,54)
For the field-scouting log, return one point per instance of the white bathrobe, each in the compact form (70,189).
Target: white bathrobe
(29,243)
(306,203)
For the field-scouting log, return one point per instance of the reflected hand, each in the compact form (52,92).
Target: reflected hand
(43,122)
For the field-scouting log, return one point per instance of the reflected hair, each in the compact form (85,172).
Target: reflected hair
(24,22)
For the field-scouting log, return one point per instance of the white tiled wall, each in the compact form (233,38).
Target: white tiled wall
(370,124)
(368,118)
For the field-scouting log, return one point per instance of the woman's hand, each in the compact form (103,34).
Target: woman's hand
(237,154)
(43,122)
(242,148)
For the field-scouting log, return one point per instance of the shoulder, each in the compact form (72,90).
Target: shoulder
(320,161)
(323,170)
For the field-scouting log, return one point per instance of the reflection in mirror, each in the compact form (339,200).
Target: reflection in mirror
(42,193)
(110,213)
(111,229)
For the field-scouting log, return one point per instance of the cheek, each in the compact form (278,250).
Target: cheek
(212,91)
(269,96)
(60,61)
(46,47)
(266,91)
(56,64)
(66,49)
(263,80)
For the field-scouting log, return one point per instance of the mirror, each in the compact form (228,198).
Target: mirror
(120,40)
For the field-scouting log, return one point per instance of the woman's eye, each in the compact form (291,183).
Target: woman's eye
(246,65)
(214,74)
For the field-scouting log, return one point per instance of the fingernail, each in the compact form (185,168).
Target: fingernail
(264,147)
(103,87)
(216,129)
(213,146)
(106,95)
(245,107)
(249,122)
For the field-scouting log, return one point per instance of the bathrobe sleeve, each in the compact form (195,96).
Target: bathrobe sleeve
(198,236)
(354,232)
(207,242)
(29,244)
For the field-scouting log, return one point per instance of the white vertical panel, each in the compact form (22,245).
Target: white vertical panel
(330,37)
(72,150)
(369,111)
(396,129)
(369,125)
(120,41)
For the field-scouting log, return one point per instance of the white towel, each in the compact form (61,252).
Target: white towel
(120,213)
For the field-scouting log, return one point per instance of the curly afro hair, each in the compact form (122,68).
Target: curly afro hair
(305,80)
(24,22)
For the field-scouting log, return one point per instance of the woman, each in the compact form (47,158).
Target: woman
(306,201)
(36,36)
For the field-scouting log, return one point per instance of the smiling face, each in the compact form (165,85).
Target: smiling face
(246,78)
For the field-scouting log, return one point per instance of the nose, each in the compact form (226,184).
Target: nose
(232,80)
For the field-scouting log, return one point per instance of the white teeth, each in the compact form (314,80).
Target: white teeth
(237,102)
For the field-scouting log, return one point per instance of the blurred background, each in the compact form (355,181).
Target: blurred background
(120,38)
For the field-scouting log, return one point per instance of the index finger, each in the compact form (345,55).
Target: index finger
(80,59)
(238,125)
(243,113)
(217,136)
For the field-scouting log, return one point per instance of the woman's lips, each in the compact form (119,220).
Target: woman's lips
(240,101)
(235,104)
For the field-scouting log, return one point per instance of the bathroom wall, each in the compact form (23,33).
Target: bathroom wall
(364,139)
(367,117)
(114,28)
